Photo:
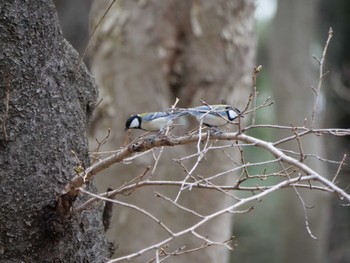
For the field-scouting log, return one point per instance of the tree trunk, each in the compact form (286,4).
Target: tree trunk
(45,105)
(145,54)
(293,76)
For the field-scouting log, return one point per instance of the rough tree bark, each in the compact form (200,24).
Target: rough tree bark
(144,55)
(292,75)
(45,105)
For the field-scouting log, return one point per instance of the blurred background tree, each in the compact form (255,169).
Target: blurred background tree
(290,72)
(74,20)
(145,55)
(337,114)
(287,42)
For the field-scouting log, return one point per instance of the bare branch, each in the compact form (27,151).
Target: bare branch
(126,188)
(144,145)
(212,216)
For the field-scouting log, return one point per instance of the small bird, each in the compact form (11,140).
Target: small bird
(152,121)
(214,115)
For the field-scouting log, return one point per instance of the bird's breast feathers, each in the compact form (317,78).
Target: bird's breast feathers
(215,119)
(156,124)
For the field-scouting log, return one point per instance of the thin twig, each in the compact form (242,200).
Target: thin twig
(112,193)
(307,155)
(339,168)
(301,152)
(201,155)
(307,225)
(96,153)
(92,35)
(266,103)
(321,75)
(179,206)
(255,92)
(132,207)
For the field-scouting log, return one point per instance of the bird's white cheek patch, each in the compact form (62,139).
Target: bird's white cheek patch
(135,123)
(232,114)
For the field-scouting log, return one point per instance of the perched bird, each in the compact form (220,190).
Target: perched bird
(152,121)
(214,115)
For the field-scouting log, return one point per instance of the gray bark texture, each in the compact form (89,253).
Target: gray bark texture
(45,105)
(144,55)
(293,73)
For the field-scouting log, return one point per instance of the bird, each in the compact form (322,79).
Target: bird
(152,121)
(214,115)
